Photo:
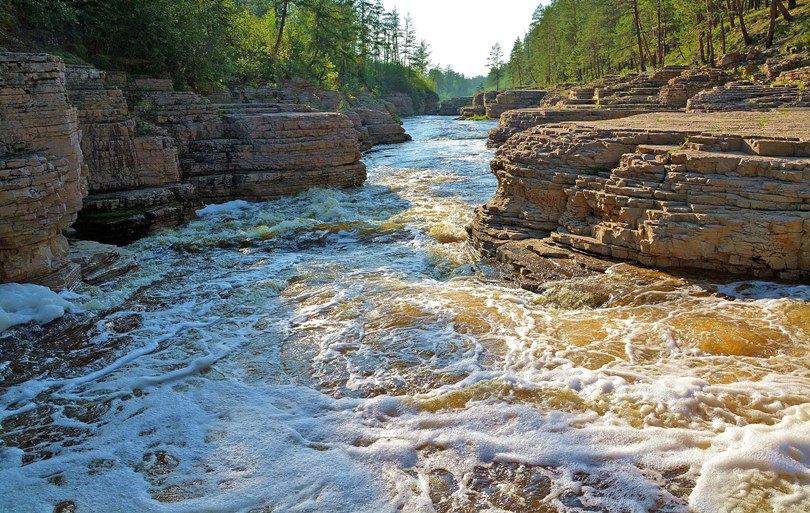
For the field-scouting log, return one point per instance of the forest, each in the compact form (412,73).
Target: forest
(581,40)
(352,45)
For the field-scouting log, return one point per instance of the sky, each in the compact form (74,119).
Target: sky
(461,32)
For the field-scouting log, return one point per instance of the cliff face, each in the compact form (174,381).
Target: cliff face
(660,190)
(517,99)
(253,151)
(452,106)
(134,172)
(42,181)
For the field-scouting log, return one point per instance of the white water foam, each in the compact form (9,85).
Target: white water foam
(24,303)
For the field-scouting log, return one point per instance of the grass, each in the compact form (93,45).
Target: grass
(478,118)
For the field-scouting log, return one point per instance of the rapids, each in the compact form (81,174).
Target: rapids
(345,351)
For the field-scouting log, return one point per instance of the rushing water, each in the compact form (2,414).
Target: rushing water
(344,351)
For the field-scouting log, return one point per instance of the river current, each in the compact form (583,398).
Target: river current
(346,351)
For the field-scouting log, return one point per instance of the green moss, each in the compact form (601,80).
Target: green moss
(478,118)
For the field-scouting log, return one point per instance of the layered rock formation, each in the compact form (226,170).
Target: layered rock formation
(134,172)
(746,95)
(691,82)
(452,107)
(609,98)
(373,118)
(515,121)
(42,181)
(258,150)
(704,191)
(480,101)
(515,99)
(403,104)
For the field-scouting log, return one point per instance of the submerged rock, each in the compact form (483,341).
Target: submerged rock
(101,262)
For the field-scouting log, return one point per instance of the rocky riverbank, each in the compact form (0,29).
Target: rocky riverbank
(719,192)
(113,157)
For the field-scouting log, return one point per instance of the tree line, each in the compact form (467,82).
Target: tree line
(582,40)
(354,45)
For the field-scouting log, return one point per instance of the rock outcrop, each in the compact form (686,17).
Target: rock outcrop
(403,104)
(452,106)
(745,95)
(703,191)
(42,180)
(134,171)
(514,99)
(609,98)
(480,101)
(258,150)
(515,121)
(691,82)
(372,128)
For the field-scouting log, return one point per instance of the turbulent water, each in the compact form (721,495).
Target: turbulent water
(344,351)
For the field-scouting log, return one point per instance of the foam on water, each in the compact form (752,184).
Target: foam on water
(24,303)
(344,351)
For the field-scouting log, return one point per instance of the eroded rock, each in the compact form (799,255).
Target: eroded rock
(42,180)
(667,194)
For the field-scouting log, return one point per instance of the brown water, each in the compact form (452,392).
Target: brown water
(345,351)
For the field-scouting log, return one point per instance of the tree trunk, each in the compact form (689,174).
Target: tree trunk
(638,37)
(771,25)
(730,12)
(660,49)
(281,26)
(739,7)
(791,4)
(781,6)
(709,38)
(723,34)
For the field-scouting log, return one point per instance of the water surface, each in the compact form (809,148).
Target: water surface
(345,351)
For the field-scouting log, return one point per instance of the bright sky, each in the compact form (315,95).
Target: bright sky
(461,32)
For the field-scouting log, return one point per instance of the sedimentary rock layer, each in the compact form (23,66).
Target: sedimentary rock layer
(452,107)
(516,99)
(515,121)
(134,169)
(744,95)
(704,191)
(260,150)
(272,155)
(41,174)
(119,155)
(479,104)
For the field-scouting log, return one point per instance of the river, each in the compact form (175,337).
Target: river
(345,351)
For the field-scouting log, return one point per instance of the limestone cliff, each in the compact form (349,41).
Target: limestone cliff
(452,106)
(42,180)
(712,191)
(515,99)
(134,172)
(254,150)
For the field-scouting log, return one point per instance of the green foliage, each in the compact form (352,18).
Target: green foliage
(579,40)
(478,118)
(451,84)
(354,45)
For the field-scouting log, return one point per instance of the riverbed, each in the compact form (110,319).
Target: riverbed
(347,351)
